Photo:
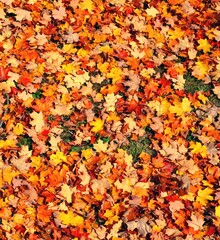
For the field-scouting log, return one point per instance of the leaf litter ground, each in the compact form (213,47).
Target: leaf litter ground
(109,122)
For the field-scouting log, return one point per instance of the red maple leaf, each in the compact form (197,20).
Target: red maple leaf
(4,73)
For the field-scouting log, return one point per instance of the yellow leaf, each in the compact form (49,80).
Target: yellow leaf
(87,153)
(180,107)
(7,143)
(97,124)
(204,196)
(176,33)
(70,218)
(204,45)
(115,74)
(217,211)
(203,98)
(186,105)
(106,49)
(103,67)
(116,32)
(156,228)
(152,12)
(198,148)
(18,218)
(113,117)
(188,196)
(18,129)
(68,68)
(35,161)
(139,192)
(82,53)
(109,213)
(200,70)
(9,174)
(87,5)
(57,158)
(69,48)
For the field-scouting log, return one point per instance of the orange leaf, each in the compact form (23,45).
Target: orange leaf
(43,213)
(175,2)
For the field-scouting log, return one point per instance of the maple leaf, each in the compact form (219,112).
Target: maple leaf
(87,5)
(60,13)
(18,129)
(176,206)
(35,161)
(216,90)
(97,124)
(8,174)
(204,196)
(7,85)
(9,143)
(38,121)
(87,153)
(217,211)
(152,12)
(20,163)
(176,33)
(204,45)
(100,146)
(200,69)
(57,158)
(181,107)
(74,3)
(196,222)
(114,233)
(44,214)
(116,74)
(66,192)
(100,186)
(192,53)
(62,109)
(68,68)
(141,225)
(22,14)
(198,148)
(110,101)
(83,175)
(70,218)
(133,83)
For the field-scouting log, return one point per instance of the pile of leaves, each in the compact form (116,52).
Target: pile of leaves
(110,119)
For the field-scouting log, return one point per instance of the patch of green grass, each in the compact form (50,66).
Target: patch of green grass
(38,94)
(214,100)
(79,148)
(105,139)
(25,140)
(81,123)
(191,137)
(193,85)
(135,148)
(67,135)
(98,86)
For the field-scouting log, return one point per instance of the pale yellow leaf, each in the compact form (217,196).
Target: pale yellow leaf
(38,121)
